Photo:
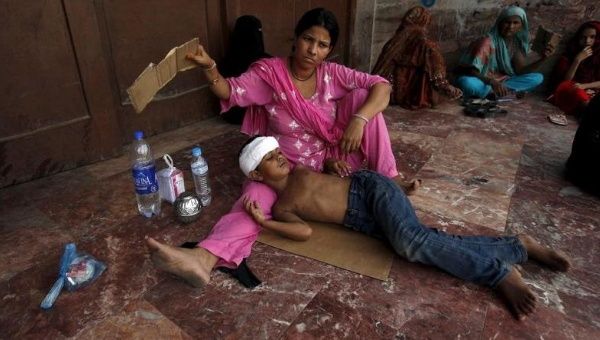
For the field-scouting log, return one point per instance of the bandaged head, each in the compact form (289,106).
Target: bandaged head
(254,152)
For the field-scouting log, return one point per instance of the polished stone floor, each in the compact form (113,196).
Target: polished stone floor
(494,176)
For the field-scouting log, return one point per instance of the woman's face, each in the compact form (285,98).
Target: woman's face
(510,26)
(312,47)
(587,37)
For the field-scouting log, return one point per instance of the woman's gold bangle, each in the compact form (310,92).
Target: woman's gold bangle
(359,116)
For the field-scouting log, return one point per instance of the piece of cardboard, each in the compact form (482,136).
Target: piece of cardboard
(154,77)
(144,88)
(184,64)
(167,68)
(340,247)
(544,37)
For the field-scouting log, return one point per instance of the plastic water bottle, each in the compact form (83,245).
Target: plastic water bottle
(144,177)
(200,173)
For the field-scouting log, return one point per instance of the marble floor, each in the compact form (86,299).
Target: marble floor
(494,176)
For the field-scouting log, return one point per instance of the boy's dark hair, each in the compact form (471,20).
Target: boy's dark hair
(319,17)
(248,141)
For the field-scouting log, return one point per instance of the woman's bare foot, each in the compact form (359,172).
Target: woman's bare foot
(553,259)
(409,188)
(193,265)
(519,297)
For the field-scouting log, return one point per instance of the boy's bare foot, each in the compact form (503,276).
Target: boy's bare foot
(553,259)
(193,265)
(519,297)
(409,188)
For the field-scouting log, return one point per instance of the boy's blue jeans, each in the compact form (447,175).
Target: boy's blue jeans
(378,207)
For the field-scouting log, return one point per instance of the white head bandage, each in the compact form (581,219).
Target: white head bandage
(254,152)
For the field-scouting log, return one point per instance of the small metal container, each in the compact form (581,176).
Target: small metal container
(187,207)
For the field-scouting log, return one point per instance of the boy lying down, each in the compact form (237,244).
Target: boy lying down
(373,204)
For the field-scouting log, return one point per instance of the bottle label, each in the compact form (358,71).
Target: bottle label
(199,169)
(145,180)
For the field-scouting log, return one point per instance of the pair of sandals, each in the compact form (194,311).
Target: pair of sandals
(482,108)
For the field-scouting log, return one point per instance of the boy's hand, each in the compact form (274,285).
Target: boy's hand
(200,57)
(338,167)
(254,210)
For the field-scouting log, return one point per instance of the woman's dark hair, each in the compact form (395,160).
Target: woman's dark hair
(319,17)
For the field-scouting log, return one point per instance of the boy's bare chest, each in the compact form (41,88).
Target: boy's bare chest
(315,196)
(299,193)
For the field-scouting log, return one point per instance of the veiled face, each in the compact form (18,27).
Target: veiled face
(587,37)
(312,47)
(510,26)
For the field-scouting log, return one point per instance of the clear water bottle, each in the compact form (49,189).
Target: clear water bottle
(200,173)
(144,177)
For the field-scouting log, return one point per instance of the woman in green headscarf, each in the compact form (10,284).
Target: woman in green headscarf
(495,64)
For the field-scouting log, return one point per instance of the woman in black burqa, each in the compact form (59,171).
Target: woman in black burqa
(583,166)
(246,46)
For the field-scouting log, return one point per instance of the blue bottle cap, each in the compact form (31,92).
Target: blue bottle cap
(138,135)
(196,151)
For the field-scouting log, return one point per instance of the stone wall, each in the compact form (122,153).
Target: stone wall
(458,22)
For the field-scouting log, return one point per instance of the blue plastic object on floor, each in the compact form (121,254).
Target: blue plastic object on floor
(65,261)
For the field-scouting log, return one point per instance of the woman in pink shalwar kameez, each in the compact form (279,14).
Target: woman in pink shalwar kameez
(315,109)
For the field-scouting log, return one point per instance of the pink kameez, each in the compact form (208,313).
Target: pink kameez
(308,131)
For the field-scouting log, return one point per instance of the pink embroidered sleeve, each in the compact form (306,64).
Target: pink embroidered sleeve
(247,89)
(345,79)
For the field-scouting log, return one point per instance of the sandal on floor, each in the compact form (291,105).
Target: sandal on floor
(480,102)
(487,110)
(558,118)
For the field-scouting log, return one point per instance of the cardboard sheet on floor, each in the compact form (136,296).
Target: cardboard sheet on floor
(340,247)
(154,77)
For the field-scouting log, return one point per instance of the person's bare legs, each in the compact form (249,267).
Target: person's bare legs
(551,258)
(193,265)
(519,297)
(409,188)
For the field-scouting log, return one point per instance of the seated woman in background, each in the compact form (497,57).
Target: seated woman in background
(412,62)
(495,64)
(577,72)
(583,166)
(246,46)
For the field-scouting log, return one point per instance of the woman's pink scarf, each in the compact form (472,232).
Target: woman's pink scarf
(274,72)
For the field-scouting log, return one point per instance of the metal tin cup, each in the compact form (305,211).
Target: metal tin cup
(187,207)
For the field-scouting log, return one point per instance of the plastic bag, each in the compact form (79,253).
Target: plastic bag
(76,270)
(83,270)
